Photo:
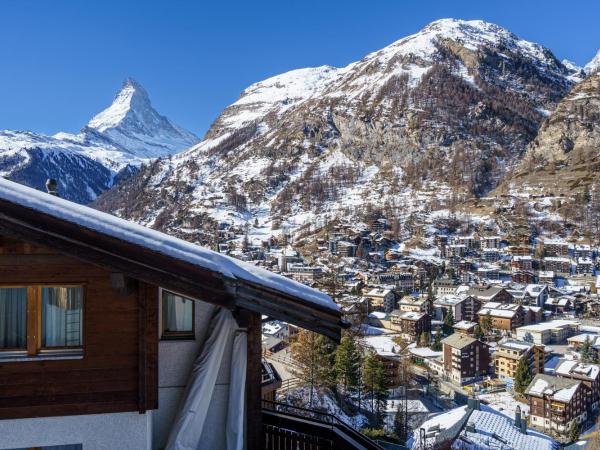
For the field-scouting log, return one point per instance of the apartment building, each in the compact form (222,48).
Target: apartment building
(464,358)
(555,403)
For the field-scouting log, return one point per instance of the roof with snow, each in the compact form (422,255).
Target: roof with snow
(157,258)
(559,389)
(477,429)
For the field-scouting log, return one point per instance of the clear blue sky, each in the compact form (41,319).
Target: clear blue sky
(62,61)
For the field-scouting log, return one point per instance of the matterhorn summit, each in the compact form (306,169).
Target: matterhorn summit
(113,144)
(132,123)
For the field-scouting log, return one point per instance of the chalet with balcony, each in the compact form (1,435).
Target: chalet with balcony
(510,352)
(588,374)
(555,403)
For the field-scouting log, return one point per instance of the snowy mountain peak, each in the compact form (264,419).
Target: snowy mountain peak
(132,123)
(594,64)
(132,96)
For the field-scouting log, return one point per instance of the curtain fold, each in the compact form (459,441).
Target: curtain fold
(236,407)
(13,318)
(178,313)
(189,425)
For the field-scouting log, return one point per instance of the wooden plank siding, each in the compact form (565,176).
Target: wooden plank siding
(119,368)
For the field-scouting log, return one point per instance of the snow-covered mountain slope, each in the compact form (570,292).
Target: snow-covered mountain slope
(113,144)
(448,109)
(594,64)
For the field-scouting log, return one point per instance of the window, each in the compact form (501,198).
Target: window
(40,318)
(13,318)
(177,316)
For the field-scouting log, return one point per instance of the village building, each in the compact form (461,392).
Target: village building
(477,426)
(588,374)
(381,298)
(504,316)
(554,247)
(463,307)
(584,265)
(412,324)
(490,242)
(465,358)
(510,352)
(559,265)
(546,277)
(415,304)
(522,263)
(445,286)
(560,305)
(465,327)
(489,293)
(551,332)
(555,403)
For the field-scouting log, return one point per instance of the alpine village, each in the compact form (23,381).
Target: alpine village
(403,253)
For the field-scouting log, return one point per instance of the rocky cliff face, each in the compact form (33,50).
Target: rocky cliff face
(113,144)
(448,109)
(565,156)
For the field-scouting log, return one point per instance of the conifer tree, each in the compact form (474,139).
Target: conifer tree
(449,322)
(478,333)
(399,424)
(347,363)
(486,323)
(437,342)
(374,382)
(587,355)
(522,375)
(573,431)
(314,355)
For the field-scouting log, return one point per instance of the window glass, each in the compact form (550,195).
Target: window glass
(13,318)
(62,316)
(178,314)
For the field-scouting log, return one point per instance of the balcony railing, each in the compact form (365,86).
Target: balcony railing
(289,427)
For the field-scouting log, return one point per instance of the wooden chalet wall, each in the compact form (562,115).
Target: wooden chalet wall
(119,368)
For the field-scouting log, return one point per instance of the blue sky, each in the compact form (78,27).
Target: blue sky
(62,61)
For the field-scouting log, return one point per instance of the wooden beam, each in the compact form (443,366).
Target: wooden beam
(254,430)
(142,348)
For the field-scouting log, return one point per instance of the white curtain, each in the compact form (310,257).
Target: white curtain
(190,422)
(178,313)
(237,393)
(13,318)
(61,316)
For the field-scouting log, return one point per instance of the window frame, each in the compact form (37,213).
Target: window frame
(33,347)
(166,335)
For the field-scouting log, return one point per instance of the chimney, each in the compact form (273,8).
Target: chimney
(518,417)
(523,426)
(52,186)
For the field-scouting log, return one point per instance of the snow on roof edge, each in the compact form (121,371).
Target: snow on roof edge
(157,241)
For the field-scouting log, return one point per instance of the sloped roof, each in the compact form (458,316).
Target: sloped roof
(559,389)
(158,258)
(494,430)
(458,340)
